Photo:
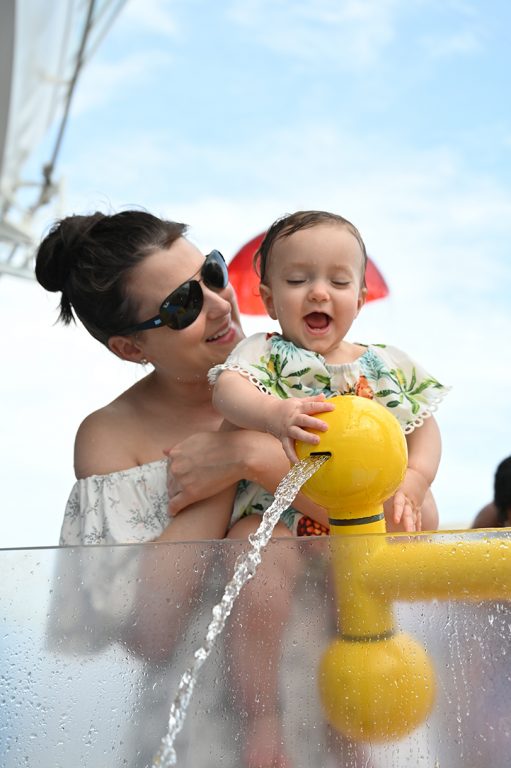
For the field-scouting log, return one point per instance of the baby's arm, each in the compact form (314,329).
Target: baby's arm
(242,404)
(424,451)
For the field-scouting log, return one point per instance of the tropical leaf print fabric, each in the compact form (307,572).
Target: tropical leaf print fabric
(383,373)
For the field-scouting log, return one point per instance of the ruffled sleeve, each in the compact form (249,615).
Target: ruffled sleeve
(246,359)
(120,508)
(401,384)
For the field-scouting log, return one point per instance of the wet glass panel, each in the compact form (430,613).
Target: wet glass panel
(95,640)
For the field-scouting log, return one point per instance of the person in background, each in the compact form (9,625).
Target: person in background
(497,514)
(312,280)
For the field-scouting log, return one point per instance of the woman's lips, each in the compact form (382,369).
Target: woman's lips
(223,336)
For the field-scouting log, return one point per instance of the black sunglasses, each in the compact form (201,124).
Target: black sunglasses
(183,306)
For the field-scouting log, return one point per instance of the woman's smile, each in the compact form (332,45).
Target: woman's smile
(226,335)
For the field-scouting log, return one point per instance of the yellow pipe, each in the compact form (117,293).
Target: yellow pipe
(361,613)
(421,569)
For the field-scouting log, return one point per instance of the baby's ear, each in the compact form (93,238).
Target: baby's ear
(267,297)
(362,296)
(126,347)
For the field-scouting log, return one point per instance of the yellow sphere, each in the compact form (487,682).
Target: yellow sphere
(369,456)
(376,691)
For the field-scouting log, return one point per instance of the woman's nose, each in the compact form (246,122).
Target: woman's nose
(216,304)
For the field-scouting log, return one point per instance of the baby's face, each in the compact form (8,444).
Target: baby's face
(314,285)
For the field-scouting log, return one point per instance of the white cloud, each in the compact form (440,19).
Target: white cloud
(150,16)
(464,42)
(357,34)
(353,33)
(102,80)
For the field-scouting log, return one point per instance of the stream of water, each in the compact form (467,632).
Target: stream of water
(245,567)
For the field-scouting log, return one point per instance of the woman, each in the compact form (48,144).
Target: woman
(114,272)
(147,293)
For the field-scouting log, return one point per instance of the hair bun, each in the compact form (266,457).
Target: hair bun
(59,249)
(57,254)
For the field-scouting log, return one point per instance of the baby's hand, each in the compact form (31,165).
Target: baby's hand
(291,419)
(408,500)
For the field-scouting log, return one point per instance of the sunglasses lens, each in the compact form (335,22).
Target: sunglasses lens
(214,272)
(183,306)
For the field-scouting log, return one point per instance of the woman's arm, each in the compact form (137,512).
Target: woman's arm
(208,462)
(205,519)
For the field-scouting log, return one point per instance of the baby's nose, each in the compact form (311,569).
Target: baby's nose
(319,291)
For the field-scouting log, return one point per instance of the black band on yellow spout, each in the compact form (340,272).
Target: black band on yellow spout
(356,520)
(368,638)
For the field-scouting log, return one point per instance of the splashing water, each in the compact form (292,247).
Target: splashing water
(244,569)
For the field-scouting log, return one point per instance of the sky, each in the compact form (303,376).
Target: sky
(394,113)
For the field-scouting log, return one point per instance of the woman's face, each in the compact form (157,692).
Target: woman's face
(186,354)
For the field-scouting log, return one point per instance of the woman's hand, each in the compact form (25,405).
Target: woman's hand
(209,462)
(202,465)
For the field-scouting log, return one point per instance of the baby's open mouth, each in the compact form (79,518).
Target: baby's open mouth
(317,320)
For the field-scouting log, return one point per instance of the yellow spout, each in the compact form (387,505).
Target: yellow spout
(368,461)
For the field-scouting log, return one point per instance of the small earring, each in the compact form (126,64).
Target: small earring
(144,361)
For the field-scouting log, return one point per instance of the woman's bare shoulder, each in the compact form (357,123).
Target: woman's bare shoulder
(103,441)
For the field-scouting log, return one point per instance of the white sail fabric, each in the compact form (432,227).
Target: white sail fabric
(40,46)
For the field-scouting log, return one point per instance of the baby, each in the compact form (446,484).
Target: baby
(312,280)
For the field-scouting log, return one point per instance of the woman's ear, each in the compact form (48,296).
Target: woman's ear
(267,297)
(126,347)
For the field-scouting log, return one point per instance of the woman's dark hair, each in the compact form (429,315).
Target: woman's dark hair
(90,258)
(502,490)
(293,222)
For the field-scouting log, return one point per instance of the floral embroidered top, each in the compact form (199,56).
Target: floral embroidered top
(383,373)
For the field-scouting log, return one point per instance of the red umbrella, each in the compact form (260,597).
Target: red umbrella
(246,283)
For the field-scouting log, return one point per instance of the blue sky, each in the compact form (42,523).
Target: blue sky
(394,113)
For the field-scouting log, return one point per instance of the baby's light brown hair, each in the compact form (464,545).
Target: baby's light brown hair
(293,222)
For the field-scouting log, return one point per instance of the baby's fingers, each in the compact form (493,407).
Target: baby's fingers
(289,447)
(317,404)
(399,506)
(298,433)
(405,513)
(408,517)
(309,422)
